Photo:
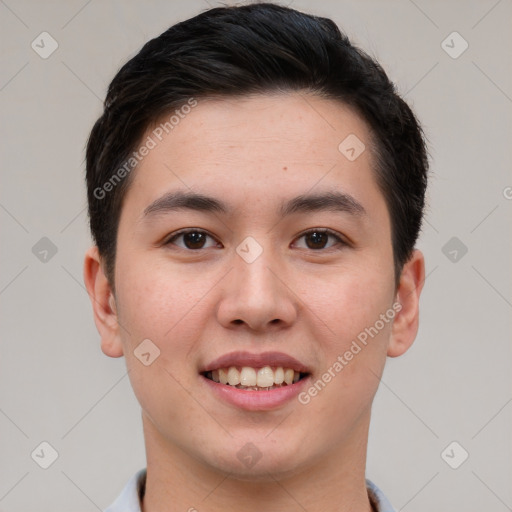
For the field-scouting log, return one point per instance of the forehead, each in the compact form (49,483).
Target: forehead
(256,147)
(264,125)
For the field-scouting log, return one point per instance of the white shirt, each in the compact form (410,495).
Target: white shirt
(130,498)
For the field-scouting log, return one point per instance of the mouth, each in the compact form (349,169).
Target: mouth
(250,378)
(255,382)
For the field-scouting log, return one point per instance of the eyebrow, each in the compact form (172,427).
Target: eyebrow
(333,201)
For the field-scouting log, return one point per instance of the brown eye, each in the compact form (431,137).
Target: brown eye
(318,238)
(193,239)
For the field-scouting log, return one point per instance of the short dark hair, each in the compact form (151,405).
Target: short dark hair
(254,49)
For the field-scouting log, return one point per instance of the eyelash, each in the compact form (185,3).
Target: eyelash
(340,240)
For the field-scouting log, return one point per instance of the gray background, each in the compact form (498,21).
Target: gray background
(453,385)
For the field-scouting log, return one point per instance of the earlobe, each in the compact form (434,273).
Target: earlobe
(405,324)
(103,304)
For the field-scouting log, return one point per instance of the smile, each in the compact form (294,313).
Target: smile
(255,379)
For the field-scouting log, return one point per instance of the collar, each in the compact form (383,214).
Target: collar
(130,499)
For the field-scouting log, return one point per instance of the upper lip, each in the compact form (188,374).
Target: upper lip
(242,358)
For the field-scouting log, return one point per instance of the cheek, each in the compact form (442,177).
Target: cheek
(154,306)
(346,301)
(348,380)
(348,307)
(167,308)
(155,303)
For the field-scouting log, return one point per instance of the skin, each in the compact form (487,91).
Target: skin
(196,305)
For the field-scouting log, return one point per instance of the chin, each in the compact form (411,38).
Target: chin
(258,461)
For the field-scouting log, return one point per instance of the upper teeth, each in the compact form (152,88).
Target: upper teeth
(262,377)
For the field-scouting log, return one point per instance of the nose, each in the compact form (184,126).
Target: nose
(256,294)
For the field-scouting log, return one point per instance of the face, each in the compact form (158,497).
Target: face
(261,277)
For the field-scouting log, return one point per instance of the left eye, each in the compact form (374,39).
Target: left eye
(194,239)
(318,238)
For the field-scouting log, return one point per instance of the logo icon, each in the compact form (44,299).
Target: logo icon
(454,45)
(249,455)
(454,249)
(146,352)
(351,147)
(454,455)
(249,250)
(44,250)
(44,45)
(44,455)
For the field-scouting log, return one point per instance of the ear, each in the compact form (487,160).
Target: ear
(405,323)
(103,304)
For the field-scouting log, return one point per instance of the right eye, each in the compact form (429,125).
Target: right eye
(193,239)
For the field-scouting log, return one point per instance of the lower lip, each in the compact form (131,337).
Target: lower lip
(256,400)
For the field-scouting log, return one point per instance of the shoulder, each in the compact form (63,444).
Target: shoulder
(130,498)
(378,499)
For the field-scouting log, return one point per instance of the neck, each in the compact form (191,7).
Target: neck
(333,483)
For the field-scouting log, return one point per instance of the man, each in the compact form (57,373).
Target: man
(256,190)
